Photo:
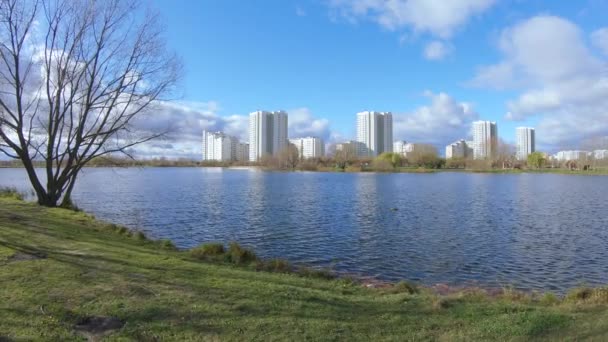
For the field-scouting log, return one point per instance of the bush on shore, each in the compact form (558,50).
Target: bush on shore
(13,193)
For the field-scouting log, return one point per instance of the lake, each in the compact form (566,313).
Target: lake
(528,231)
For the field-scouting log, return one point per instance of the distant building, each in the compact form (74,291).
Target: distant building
(458,149)
(485,139)
(218,146)
(374,133)
(525,139)
(242,151)
(600,154)
(350,147)
(409,149)
(571,155)
(402,147)
(267,133)
(309,147)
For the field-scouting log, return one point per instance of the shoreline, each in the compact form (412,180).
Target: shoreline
(368,281)
(62,269)
(554,171)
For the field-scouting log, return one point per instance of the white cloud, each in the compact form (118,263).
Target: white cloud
(436,50)
(302,124)
(438,17)
(185,122)
(442,121)
(600,39)
(561,81)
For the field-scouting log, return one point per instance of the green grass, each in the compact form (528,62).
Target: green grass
(90,268)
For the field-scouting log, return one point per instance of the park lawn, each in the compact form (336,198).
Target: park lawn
(58,267)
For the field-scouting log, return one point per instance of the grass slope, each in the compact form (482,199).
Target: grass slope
(86,269)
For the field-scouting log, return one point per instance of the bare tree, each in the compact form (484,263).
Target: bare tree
(504,154)
(74,75)
(289,157)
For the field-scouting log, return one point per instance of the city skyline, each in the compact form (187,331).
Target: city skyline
(435,71)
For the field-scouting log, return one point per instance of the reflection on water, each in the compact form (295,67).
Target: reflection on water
(529,231)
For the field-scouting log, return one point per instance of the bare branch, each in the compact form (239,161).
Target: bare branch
(73,98)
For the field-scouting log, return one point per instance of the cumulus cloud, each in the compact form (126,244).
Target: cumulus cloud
(437,17)
(185,121)
(443,121)
(302,124)
(561,80)
(600,39)
(436,50)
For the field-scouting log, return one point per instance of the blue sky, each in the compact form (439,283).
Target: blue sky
(437,65)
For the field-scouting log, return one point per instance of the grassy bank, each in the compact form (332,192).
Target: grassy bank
(62,272)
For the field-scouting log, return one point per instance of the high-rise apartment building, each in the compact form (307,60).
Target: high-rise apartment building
(458,149)
(402,147)
(350,148)
(267,133)
(309,147)
(525,140)
(218,146)
(485,139)
(374,133)
(242,151)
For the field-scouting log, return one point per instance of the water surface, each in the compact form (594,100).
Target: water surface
(530,231)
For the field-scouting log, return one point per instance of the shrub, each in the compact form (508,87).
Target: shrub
(239,255)
(549,299)
(167,244)
(585,294)
(274,265)
(11,193)
(139,235)
(207,251)
(382,165)
(405,287)
(322,273)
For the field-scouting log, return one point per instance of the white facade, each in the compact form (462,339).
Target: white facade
(402,147)
(571,155)
(350,147)
(600,154)
(309,147)
(485,139)
(458,149)
(374,133)
(219,146)
(525,139)
(267,133)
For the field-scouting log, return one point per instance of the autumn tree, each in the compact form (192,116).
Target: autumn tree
(74,76)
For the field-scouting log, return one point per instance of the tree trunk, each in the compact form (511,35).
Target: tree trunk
(67,196)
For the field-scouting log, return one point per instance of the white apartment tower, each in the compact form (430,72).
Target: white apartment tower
(374,133)
(219,146)
(309,147)
(485,139)
(525,142)
(456,149)
(267,133)
(402,147)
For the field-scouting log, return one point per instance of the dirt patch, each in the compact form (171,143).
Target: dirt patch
(23,256)
(15,218)
(94,328)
